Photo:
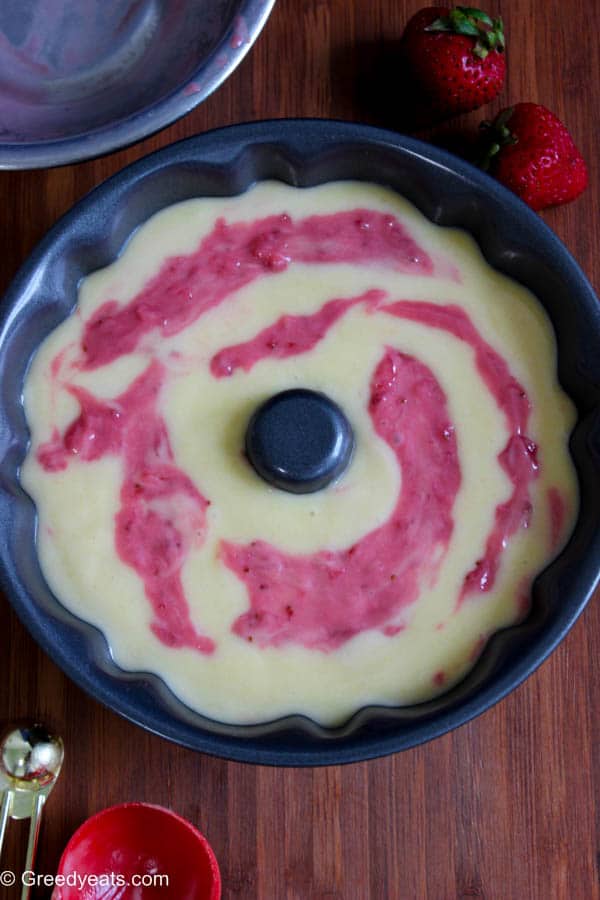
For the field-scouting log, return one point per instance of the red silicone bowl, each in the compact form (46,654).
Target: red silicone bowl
(137,851)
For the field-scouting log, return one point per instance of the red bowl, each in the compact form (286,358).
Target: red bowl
(137,851)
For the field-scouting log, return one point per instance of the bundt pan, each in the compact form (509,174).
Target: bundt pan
(303,153)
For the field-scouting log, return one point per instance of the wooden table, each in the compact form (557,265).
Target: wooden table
(505,808)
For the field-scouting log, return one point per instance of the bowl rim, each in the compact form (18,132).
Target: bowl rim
(108,138)
(291,740)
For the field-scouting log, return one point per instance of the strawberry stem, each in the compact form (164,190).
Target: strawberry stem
(498,135)
(475,23)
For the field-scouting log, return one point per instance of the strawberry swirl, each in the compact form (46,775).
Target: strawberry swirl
(321,600)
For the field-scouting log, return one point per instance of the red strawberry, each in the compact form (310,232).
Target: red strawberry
(454,58)
(533,154)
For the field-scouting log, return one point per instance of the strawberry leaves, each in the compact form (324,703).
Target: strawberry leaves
(471,22)
(498,135)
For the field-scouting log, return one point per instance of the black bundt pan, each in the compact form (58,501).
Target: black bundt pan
(303,153)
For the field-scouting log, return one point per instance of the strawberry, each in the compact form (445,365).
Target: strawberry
(532,153)
(453,58)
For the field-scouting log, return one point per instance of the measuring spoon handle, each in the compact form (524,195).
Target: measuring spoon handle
(34,833)
(4,814)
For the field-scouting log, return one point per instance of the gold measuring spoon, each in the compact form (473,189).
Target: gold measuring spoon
(30,763)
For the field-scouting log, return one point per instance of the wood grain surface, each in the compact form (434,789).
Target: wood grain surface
(505,808)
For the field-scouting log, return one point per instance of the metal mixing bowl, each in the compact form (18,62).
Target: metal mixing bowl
(450,193)
(79,78)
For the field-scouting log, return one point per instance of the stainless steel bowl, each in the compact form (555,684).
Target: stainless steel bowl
(79,78)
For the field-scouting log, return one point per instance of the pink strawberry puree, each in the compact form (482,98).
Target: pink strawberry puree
(162,514)
(323,600)
(289,335)
(519,457)
(320,600)
(232,256)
